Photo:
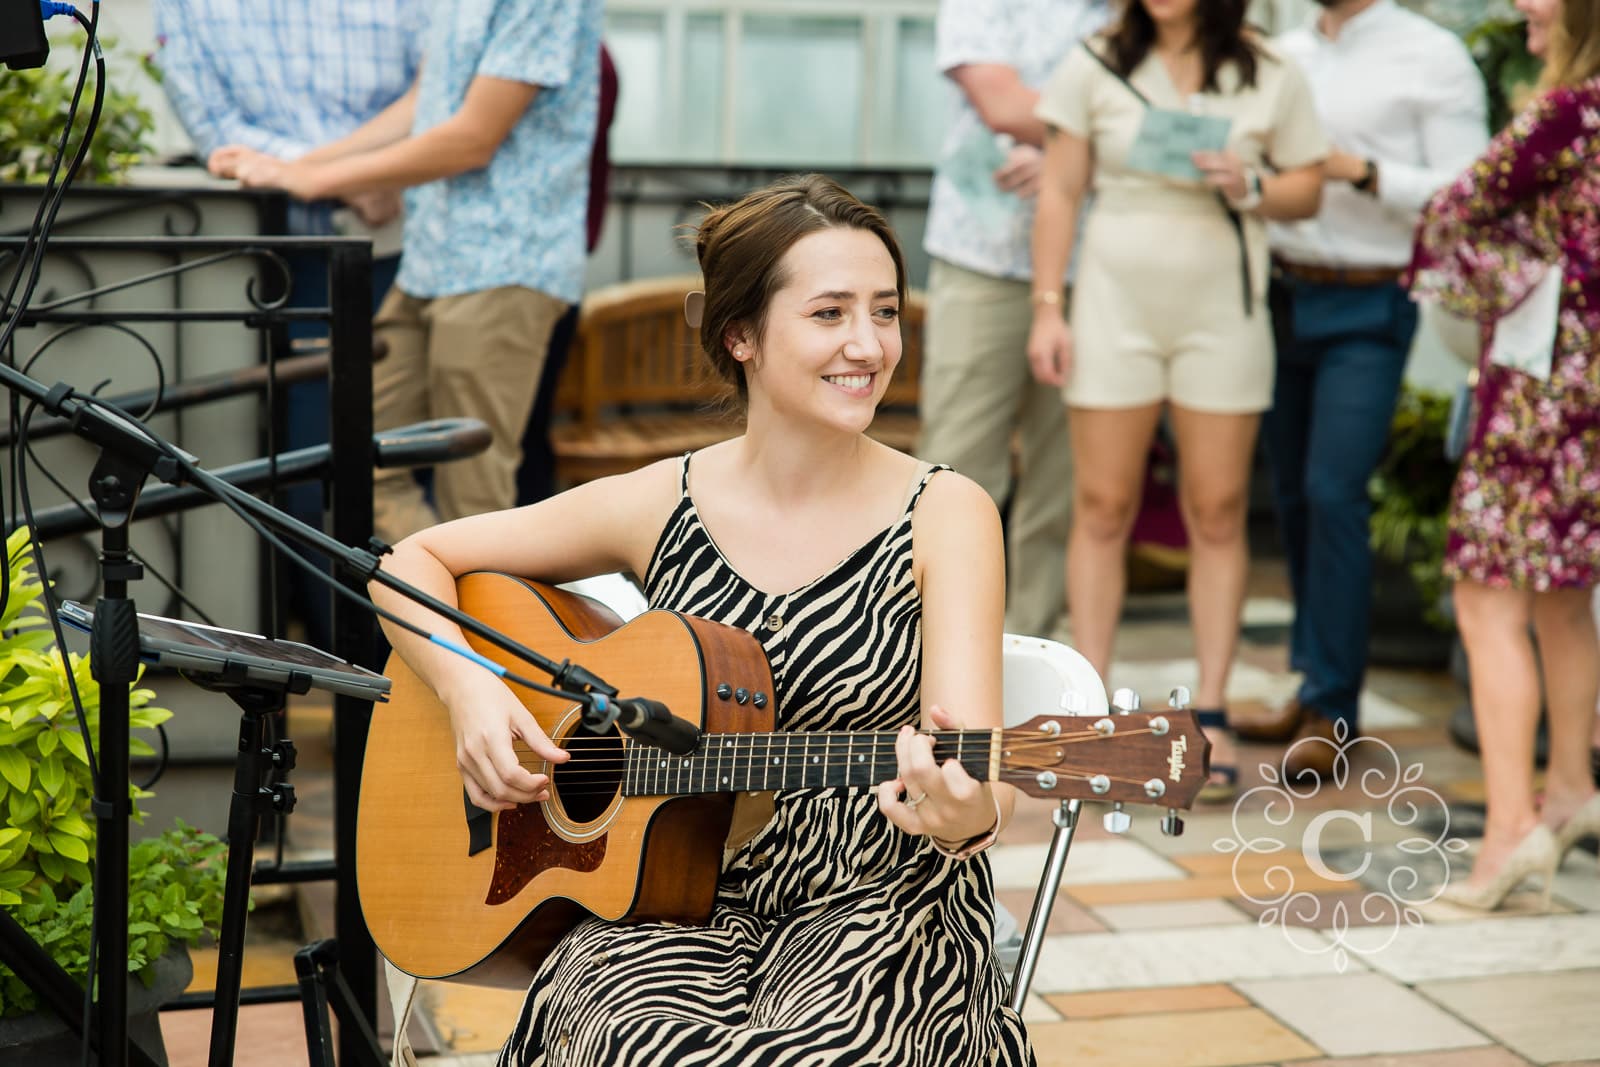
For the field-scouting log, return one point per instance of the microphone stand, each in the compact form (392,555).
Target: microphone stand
(130,454)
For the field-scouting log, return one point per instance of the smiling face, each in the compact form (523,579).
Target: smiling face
(831,338)
(1541,15)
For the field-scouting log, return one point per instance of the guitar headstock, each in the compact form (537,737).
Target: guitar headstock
(1138,757)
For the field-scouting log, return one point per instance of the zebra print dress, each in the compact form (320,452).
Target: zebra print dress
(836,939)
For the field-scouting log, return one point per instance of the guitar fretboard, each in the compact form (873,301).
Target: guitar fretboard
(736,763)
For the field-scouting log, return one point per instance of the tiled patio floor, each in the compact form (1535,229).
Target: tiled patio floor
(1173,952)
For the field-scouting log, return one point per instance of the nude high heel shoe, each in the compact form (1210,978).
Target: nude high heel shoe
(1535,854)
(1585,822)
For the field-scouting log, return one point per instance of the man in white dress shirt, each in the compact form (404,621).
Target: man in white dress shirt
(977,392)
(1404,108)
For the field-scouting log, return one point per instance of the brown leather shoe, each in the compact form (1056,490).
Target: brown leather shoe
(1316,755)
(1259,722)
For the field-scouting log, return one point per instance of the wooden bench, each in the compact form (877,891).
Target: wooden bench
(637,388)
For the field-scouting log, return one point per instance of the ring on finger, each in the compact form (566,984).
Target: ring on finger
(918,799)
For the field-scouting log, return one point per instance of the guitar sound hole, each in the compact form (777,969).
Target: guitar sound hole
(589,781)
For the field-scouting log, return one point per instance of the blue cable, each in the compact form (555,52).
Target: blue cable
(51,8)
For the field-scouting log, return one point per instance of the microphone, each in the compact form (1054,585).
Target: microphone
(22,41)
(647,720)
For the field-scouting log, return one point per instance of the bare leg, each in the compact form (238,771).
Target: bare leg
(1505,705)
(1109,452)
(1569,653)
(1214,453)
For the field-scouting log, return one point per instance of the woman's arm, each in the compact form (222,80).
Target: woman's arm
(596,528)
(1290,194)
(959,559)
(1482,243)
(1068,168)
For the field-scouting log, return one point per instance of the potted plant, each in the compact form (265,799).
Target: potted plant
(1410,493)
(175,879)
(33,106)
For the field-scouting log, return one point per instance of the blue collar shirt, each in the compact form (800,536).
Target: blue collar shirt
(520,220)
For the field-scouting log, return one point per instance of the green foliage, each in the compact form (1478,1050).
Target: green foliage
(1410,493)
(45,782)
(45,793)
(33,107)
(1500,46)
(174,895)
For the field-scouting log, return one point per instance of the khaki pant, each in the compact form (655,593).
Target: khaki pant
(476,355)
(977,393)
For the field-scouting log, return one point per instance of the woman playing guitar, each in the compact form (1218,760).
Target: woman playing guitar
(849,928)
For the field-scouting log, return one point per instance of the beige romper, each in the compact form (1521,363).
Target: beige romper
(1158,312)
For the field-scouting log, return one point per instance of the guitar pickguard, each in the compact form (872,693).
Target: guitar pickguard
(526,845)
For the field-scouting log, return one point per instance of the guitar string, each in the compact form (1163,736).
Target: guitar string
(620,788)
(607,768)
(611,760)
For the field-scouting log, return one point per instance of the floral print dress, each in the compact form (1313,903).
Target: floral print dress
(1525,511)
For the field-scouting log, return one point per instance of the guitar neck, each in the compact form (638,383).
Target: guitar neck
(737,763)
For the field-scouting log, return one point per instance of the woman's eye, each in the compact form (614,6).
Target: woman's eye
(888,314)
(826,313)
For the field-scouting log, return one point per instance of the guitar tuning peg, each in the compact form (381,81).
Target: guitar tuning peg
(1117,820)
(1073,702)
(1125,700)
(1172,823)
(1179,698)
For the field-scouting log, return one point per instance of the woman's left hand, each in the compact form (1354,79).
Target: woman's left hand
(1224,172)
(938,800)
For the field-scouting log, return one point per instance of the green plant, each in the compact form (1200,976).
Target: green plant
(1500,46)
(46,789)
(1410,494)
(33,106)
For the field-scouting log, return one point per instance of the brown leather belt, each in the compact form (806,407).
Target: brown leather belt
(1318,275)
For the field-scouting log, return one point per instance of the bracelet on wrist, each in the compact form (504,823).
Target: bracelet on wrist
(1252,192)
(1050,297)
(965,850)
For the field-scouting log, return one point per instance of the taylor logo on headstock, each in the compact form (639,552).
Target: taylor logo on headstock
(1175,762)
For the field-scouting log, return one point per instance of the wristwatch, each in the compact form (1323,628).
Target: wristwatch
(1252,191)
(1368,181)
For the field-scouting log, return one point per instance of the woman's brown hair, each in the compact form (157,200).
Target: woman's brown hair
(1574,45)
(1219,34)
(741,247)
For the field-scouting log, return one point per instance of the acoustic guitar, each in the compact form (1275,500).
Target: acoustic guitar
(631,832)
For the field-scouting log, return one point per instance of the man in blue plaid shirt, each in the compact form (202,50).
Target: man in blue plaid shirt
(283,78)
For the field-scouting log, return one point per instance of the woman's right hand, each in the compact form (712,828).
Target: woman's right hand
(488,720)
(1050,347)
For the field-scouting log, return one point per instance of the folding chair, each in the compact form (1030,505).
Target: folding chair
(1046,677)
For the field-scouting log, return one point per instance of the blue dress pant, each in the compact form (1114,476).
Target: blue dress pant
(1341,353)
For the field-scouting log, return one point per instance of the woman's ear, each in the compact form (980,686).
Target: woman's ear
(738,344)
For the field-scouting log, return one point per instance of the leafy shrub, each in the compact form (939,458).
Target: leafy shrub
(175,880)
(33,107)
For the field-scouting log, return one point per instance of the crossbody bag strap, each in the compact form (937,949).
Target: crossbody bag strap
(1235,219)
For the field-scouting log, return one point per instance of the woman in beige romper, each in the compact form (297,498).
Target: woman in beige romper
(1165,311)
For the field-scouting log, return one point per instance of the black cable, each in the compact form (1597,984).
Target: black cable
(38,232)
(232,497)
(91,47)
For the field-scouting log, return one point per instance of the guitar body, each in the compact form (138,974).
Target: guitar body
(447,895)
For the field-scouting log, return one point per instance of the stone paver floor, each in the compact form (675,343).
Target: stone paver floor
(1268,933)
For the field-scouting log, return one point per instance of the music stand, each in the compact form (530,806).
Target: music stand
(257,673)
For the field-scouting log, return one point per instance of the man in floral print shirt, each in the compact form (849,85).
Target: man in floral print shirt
(492,144)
